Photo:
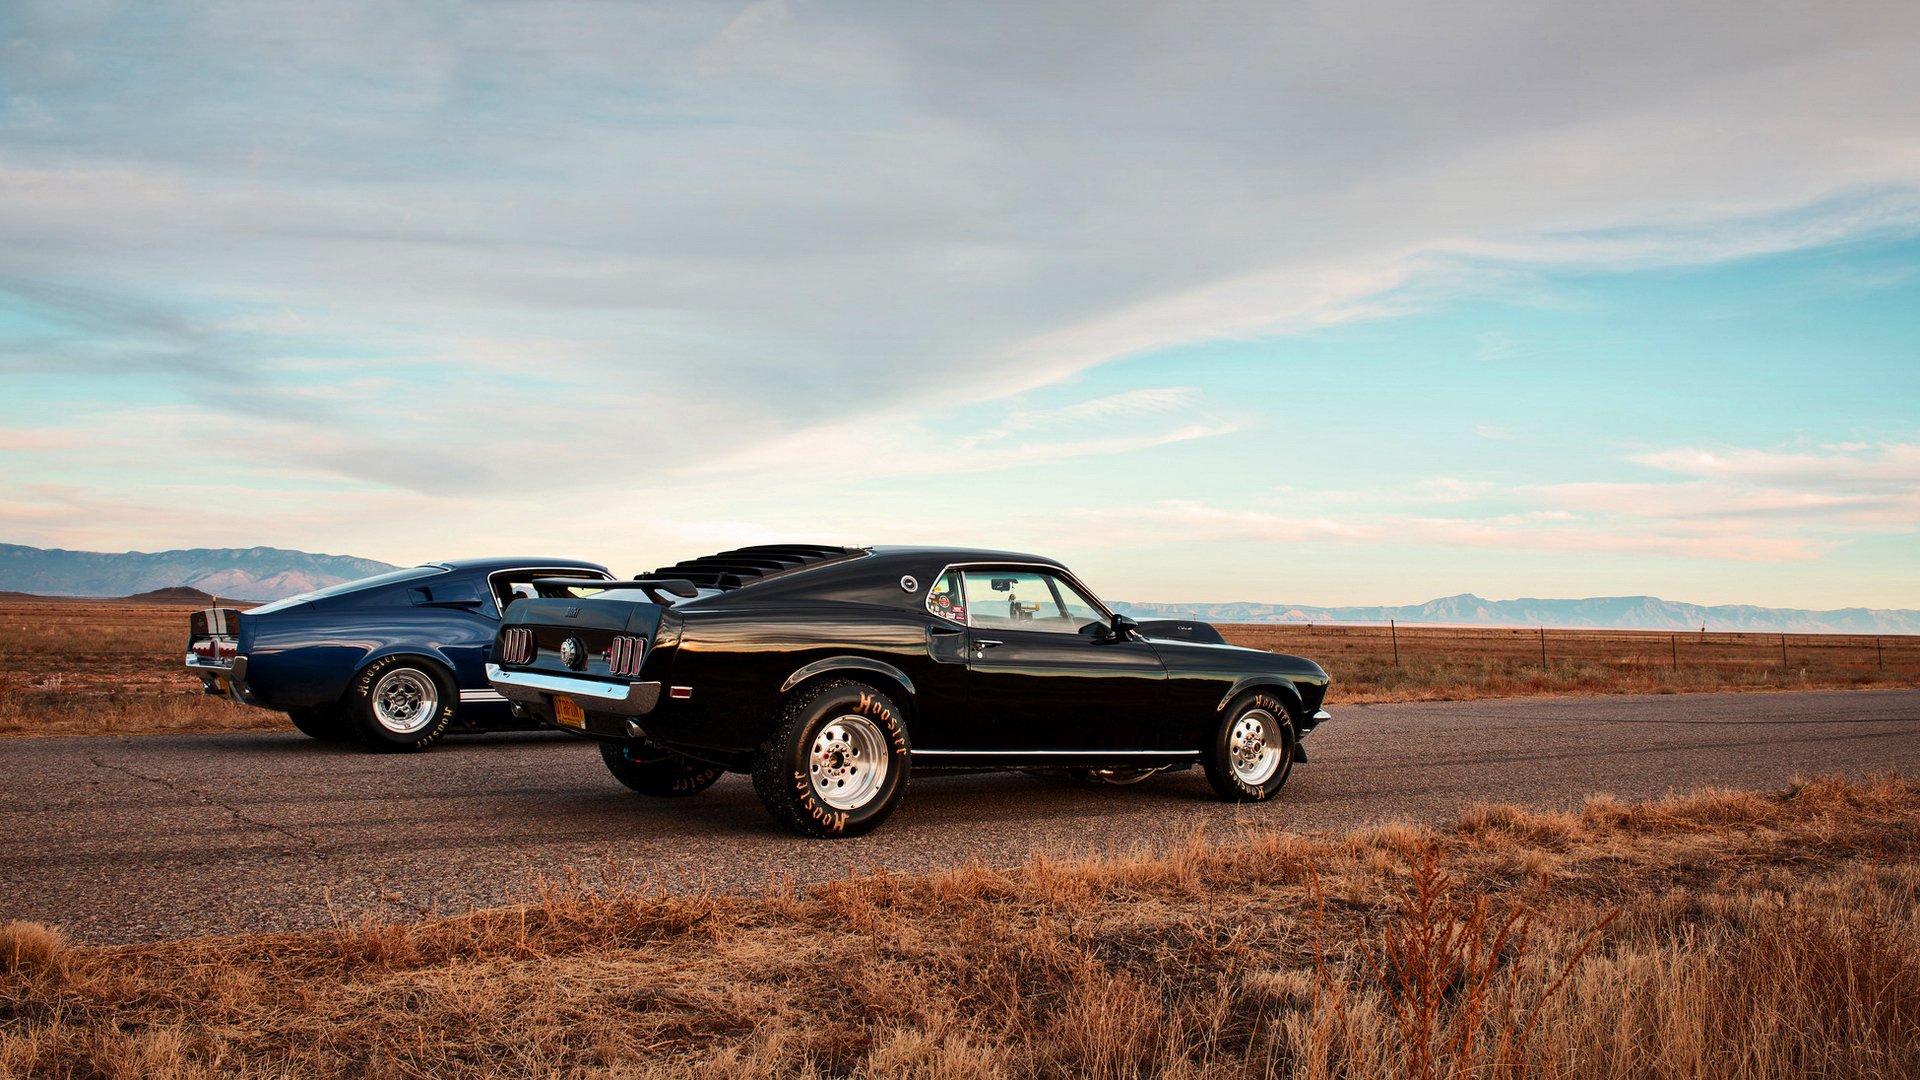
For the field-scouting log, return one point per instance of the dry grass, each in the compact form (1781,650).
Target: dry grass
(1459,663)
(105,667)
(1736,935)
(95,667)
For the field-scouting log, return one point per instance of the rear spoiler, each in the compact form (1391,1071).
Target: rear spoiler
(657,589)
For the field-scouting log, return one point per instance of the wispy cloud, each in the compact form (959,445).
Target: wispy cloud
(1131,405)
(496,249)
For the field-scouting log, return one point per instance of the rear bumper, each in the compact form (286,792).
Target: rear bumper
(223,680)
(592,695)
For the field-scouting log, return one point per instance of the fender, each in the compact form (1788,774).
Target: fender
(1275,683)
(848,663)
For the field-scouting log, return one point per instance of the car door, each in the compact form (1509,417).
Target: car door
(1044,673)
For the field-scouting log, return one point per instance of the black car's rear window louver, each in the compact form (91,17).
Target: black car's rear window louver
(744,566)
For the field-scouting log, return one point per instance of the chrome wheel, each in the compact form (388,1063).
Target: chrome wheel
(1254,747)
(405,701)
(848,762)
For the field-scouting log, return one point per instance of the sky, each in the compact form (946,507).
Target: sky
(1321,303)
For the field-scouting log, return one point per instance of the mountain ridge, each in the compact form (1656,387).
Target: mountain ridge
(1596,612)
(269,573)
(255,573)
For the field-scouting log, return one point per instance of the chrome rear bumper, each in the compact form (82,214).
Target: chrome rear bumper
(212,672)
(620,699)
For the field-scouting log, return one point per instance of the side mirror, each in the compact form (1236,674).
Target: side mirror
(1123,627)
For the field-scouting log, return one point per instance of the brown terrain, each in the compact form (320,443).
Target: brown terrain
(1722,934)
(79,666)
(1713,934)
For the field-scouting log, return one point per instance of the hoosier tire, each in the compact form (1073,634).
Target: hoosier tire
(326,724)
(401,703)
(660,773)
(1252,751)
(837,761)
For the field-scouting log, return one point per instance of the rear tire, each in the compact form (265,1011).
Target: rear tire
(401,703)
(663,774)
(327,723)
(1252,751)
(837,762)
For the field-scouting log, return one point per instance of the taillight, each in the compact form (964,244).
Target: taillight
(624,655)
(516,645)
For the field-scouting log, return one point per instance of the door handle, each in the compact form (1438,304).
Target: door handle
(981,645)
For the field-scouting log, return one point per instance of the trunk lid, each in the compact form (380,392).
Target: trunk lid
(614,638)
(213,634)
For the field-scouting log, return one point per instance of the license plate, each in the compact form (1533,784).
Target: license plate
(567,714)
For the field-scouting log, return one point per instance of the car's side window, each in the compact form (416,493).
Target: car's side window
(948,598)
(1027,600)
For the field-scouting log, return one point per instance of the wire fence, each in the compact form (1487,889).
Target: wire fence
(1657,656)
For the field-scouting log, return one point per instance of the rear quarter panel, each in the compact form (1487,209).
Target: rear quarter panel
(735,661)
(307,656)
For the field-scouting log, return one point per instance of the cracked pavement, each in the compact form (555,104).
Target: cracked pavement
(137,838)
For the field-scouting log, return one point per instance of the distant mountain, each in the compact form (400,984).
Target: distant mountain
(1611,612)
(259,573)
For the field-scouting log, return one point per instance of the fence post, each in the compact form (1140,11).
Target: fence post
(1879,655)
(1395,631)
(1676,652)
(1783,650)
(1543,648)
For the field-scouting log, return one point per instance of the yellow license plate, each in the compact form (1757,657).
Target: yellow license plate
(220,683)
(568,714)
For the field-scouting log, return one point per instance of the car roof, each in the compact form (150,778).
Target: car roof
(779,572)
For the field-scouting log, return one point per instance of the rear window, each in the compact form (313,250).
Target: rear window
(391,577)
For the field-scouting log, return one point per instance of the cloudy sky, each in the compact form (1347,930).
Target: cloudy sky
(1319,303)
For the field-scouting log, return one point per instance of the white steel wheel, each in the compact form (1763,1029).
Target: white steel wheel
(1251,753)
(836,761)
(1255,745)
(405,701)
(847,764)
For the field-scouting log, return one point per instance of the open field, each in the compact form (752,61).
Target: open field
(103,667)
(1720,934)
(1463,663)
(113,667)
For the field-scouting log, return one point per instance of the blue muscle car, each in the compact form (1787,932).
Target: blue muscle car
(392,660)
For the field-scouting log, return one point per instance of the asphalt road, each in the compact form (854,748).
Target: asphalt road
(120,839)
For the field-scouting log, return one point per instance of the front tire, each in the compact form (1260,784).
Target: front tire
(1252,751)
(837,762)
(400,704)
(327,724)
(661,773)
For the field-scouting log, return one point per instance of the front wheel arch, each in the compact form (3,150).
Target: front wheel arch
(1278,685)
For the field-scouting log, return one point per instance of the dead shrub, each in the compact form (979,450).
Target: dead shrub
(31,948)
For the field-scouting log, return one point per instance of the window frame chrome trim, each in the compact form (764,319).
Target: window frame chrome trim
(1047,568)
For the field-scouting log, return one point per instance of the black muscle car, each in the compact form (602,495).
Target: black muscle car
(830,673)
(394,660)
